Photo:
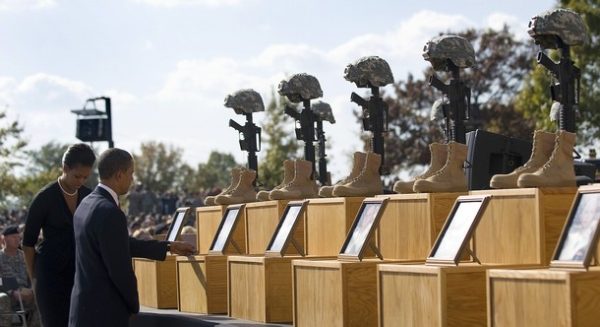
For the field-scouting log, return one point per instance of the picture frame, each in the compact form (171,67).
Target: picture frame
(177,224)
(458,230)
(284,232)
(360,235)
(579,237)
(223,236)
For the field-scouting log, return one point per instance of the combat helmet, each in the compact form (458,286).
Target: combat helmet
(449,47)
(562,23)
(245,101)
(323,111)
(300,87)
(369,71)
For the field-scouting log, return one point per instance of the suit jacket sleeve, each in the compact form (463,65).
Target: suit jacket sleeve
(149,249)
(114,249)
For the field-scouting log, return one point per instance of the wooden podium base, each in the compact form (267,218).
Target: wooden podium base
(202,284)
(207,223)
(335,293)
(156,282)
(410,224)
(544,297)
(261,220)
(522,226)
(420,295)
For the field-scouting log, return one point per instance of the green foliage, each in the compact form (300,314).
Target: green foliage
(11,148)
(215,172)
(280,142)
(157,166)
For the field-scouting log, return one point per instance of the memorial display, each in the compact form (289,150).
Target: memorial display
(322,112)
(177,224)
(283,235)
(226,227)
(242,192)
(358,162)
(360,236)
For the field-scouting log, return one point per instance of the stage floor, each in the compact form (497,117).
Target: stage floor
(150,317)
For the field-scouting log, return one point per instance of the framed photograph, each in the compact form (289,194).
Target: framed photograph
(579,238)
(284,233)
(458,229)
(361,232)
(176,224)
(226,227)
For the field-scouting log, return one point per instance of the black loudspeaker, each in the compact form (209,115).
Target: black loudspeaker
(489,154)
(92,129)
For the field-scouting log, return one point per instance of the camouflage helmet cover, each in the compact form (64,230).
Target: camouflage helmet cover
(300,87)
(245,101)
(323,111)
(369,71)
(456,48)
(563,23)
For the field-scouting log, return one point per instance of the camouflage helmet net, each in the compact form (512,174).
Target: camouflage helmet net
(453,47)
(563,23)
(369,71)
(300,87)
(245,101)
(323,111)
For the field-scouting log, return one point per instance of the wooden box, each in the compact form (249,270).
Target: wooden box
(261,221)
(522,226)
(411,222)
(544,297)
(202,284)
(327,223)
(207,223)
(156,282)
(421,295)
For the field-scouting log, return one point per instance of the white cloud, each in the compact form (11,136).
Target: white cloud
(496,21)
(26,4)
(177,3)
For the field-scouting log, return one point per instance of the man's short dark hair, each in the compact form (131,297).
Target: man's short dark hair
(79,154)
(113,161)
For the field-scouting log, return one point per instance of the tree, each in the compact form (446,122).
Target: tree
(502,62)
(11,147)
(215,172)
(157,166)
(280,142)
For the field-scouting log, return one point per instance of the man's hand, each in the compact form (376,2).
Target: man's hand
(182,248)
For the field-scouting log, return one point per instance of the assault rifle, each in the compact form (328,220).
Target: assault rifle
(305,129)
(250,140)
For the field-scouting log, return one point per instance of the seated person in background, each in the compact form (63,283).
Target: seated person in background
(12,264)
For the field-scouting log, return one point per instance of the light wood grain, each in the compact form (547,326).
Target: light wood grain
(207,223)
(156,281)
(261,220)
(202,284)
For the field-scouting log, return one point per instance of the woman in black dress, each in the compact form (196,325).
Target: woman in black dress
(52,267)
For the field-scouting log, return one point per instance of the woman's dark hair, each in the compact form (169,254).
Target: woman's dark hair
(79,154)
(113,161)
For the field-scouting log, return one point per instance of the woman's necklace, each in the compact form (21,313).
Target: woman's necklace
(65,192)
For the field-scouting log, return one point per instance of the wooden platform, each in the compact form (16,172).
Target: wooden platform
(522,226)
(420,295)
(411,222)
(261,221)
(327,223)
(156,282)
(202,284)
(207,223)
(544,297)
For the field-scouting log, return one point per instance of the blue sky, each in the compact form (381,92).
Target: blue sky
(168,64)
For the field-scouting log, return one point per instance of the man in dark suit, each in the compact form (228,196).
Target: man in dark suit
(105,288)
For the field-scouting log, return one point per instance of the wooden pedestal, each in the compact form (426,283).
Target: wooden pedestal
(156,282)
(420,295)
(202,284)
(335,293)
(207,223)
(327,223)
(261,220)
(410,224)
(544,298)
(522,226)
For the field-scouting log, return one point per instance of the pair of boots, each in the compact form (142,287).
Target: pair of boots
(364,179)
(550,164)
(445,173)
(240,190)
(297,183)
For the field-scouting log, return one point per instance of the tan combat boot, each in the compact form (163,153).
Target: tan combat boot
(439,153)
(559,170)
(301,187)
(451,178)
(357,164)
(235,179)
(288,175)
(543,144)
(243,192)
(367,183)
